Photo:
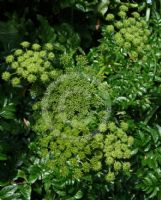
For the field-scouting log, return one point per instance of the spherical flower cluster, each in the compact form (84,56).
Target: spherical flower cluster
(106,152)
(130,34)
(122,14)
(31,64)
(110,28)
(117,148)
(81,100)
(124,8)
(6,76)
(110,17)
(74,132)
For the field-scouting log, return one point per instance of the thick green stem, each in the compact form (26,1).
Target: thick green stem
(147,14)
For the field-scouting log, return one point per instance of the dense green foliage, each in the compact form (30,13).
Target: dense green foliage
(80,114)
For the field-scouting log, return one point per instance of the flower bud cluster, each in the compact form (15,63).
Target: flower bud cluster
(129,33)
(74,130)
(30,63)
(117,150)
(107,153)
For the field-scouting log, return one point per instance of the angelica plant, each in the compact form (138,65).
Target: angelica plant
(74,133)
(31,63)
(130,33)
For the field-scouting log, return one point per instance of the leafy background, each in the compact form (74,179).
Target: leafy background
(77,30)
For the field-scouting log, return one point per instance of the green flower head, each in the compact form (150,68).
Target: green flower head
(123,8)
(18,52)
(110,29)
(110,177)
(36,47)
(15,82)
(122,14)
(9,59)
(110,17)
(6,76)
(136,15)
(25,44)
(49,46)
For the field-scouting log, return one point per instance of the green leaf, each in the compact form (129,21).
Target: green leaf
(8,191)
(103,6)
(21,174)
(25,190)
(46,31)
(35,173)
(78,195)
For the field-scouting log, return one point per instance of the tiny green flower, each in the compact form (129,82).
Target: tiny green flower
(30,53)
(53,74)
(6,76)
(123,8)
(126,166)
(138,24)
(120,133)
(51,56)
(31,78)
(33,68)
(86,167)
(49,46)
(44,77)
(109,160)
(47,64)
(136,15)
(21,59)
(15,81)
(110,177)
(119,39)
(110,28)
(130,140)
(123,30)
(110,138)
(110,17)
(122,14)
(127,154)
(25,44)
(20,70)
(36,47)
(18,52)
(129,37)
(117,166)
(102,127)
(14,65)
(126,23)
(136,42)
(9,59)
(94,161)
(111,126)
(118,154)
(124,126)
(98,137)
(42,54)
(127,45)
(97,166)
(131,20)
(118,24)
(87,150)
